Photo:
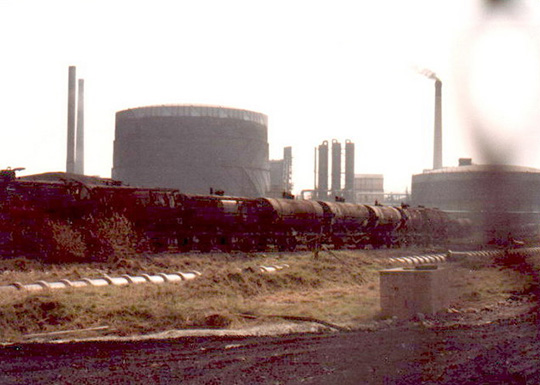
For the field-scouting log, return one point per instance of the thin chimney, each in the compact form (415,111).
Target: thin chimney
(437,135)
(70,159)
(79,150)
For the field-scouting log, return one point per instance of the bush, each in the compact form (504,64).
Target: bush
(62,243)
(110,238)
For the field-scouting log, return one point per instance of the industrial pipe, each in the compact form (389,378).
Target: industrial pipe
(103,281)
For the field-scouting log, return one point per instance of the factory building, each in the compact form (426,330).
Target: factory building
(193,148)
(281,175)
(369,188)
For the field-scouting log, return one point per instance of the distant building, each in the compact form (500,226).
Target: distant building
(281,175)
(368,188)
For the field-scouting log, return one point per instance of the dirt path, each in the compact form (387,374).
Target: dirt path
(461,349)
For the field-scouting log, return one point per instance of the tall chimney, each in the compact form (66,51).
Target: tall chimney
(349,170)
(336,167)
(70,159)
(79,150)
(437,136)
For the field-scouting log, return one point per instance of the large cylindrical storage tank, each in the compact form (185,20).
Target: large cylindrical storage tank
(502,199)
(193,148)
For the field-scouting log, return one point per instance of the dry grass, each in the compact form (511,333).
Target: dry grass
(340,287)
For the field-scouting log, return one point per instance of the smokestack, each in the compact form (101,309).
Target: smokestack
(437,135)
(79,150)
(336,167)
(349,170)
(70,159)
(323,170)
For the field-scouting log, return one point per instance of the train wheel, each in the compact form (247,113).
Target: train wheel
(338,244)
(281,244)
(158,245)
(184,244)
(291,244)
(262,244)
(206,244)
(247,244)
(314,245)
(225,244)
(377,243)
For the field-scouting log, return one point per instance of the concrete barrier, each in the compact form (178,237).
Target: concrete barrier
(405,292)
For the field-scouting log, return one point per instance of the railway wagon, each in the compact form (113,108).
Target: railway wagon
(26,209)
(286,223)
(424,226)
(170,220)
(221,222)
(350,224)
(387,221)
(155,213)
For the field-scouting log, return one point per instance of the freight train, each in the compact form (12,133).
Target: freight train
(170,220)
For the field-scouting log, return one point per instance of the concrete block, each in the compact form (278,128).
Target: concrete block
(405,292)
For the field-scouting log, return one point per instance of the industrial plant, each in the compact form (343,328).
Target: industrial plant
(204,149)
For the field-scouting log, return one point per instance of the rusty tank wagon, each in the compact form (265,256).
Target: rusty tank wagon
(167,219)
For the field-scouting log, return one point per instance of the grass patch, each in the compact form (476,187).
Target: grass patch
(341,287)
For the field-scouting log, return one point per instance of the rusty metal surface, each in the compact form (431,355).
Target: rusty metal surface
(348,215)
(387,217)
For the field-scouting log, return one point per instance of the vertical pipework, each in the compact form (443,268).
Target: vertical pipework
(70,158)
(336,167)
(323,171)
(287,169)
(349,169)
(79,150)
(437,136)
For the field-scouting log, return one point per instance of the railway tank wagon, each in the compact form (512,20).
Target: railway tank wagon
(350,224)
(387,221)
(424,226)
(170,220)
(154,213)
(287,223)
(222,222)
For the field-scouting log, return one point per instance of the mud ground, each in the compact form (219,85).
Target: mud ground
(494,345)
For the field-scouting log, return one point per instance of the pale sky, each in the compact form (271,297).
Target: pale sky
(319,70)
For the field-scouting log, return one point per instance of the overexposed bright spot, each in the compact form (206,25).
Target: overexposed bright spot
(504,81)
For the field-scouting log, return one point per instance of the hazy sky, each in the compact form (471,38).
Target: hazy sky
(319,70)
